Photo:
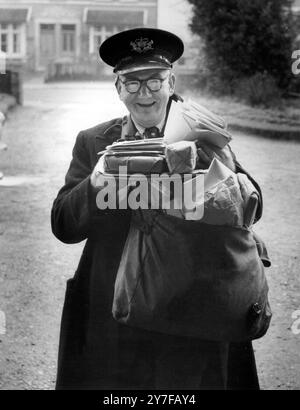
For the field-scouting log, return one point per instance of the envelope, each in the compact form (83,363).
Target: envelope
(192,106)
(184,117)
(153,144)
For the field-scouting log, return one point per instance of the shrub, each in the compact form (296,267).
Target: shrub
(244,37)
(295,85)
(260,89)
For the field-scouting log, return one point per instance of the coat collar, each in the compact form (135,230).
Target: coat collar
(122,127)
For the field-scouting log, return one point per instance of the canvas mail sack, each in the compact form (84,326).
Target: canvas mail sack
(190,278)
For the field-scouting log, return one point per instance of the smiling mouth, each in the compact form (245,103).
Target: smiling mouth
(146,105)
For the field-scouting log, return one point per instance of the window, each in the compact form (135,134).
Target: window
(100,33)
(16,42)
(4,42)
(68,32)
(104,23)
(47,27)
(12,39)
(4,37)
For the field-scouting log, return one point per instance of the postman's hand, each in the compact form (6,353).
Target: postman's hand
(99,180)
(95,176)
(206,153)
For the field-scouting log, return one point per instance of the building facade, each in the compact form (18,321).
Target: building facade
(39,33)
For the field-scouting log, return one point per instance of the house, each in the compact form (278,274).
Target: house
(39,33)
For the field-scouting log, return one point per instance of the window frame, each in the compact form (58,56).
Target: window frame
(70,39)
(103,33)
(110,29)
(11,30)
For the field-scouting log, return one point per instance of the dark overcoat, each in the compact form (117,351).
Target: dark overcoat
(96,352)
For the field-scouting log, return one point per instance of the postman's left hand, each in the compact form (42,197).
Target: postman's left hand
(206,153)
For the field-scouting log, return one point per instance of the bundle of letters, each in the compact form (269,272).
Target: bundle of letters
(131,157)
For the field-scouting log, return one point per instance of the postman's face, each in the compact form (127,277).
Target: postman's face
(147,107)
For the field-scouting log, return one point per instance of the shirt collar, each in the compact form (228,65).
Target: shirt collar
(141,129)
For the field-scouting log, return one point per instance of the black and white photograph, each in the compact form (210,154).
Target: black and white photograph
(149,197)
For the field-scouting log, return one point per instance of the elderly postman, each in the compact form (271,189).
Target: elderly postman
(101,347)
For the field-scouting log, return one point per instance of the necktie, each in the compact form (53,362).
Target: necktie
(152,132)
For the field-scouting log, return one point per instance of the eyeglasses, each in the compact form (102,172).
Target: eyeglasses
(153,84)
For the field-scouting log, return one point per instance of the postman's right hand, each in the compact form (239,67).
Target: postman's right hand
(97,171)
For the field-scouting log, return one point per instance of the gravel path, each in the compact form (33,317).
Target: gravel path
(34,265)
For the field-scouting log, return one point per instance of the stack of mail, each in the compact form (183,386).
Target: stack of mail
(153,145)
(187,116)
(130,157)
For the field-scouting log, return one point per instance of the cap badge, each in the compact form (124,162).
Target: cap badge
(141,45)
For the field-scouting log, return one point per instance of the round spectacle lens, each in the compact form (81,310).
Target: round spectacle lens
(154,84)
(132,86)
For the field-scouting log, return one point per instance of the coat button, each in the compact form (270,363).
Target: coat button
(256,309)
